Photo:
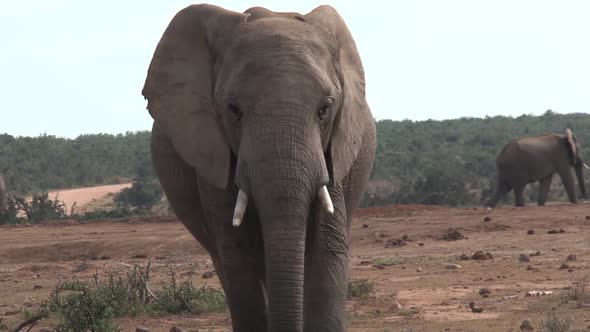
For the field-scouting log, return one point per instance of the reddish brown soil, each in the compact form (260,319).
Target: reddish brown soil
(412,271)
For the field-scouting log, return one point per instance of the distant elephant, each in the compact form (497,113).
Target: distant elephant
(531,159)
(260,120)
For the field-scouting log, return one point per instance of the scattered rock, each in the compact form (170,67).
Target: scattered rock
(406,238)
(475,308)
(534,269)
(556,231)
(364,263)
(571,258)
(486,219)
(365,225)
(481,256)
(452,266)
(564,266)
(176,329)
(530,232)
(484,292)
(453,235)
(464,257)
(421,244)
(37,287)
(523,258)
(208,275)
(138,256)
(81,267)
(419,269)
(395,243)
(526,325)
(587,217)
(142,329)
(536,253)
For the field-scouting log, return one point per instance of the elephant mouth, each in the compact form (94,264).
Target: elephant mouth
(242,203)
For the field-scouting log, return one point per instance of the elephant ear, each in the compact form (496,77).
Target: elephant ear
(572,142)
(349,124)
(179,85)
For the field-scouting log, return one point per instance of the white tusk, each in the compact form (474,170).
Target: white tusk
(240,209)
(586,166)
(325,199)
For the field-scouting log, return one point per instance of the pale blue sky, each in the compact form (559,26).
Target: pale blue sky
(69,67)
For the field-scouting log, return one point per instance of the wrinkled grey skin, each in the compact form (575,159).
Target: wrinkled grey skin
(273,104)
(531,159)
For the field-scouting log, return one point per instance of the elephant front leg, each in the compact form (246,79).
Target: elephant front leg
(568,183)
(326,265)
(238,261)
(519,196)
(544,185)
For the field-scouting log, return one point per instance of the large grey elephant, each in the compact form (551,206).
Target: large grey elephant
(261,122)
(531,159)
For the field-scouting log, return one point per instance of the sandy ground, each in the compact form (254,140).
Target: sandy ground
(414,288)
(86,196)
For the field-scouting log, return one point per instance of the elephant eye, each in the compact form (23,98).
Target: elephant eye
(324,110)
(235,110)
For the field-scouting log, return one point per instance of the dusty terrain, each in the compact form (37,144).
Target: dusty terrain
(87,198)
(413,273)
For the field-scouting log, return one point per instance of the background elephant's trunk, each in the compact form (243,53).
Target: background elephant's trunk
(580,174)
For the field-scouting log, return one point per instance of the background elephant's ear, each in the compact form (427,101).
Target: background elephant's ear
(350,122)
(179,85)
(570,138)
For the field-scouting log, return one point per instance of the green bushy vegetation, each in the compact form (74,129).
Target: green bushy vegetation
(450,162)
(94,306)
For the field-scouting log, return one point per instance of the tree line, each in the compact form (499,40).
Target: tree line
(449,162)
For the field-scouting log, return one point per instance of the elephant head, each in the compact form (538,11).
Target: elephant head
(273,103)
(576,160)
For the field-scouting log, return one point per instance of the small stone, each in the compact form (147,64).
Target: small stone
(419,269)
(571,258)
(37,287)
(486,219)
(523,258)
(530,232)
(536,253)
(526,325)
(530,268)
(365,225)
(142,329)
(587,217)
(464,257)
(176,329)
(474,308)
(208,275)
(379,266)
(139,256)
(406,237)
(452,266)
(564,266)
(481,256)
(484,292)
(421,244)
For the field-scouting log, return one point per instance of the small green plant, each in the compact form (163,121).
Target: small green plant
(185,297)
(359,288)
(556,322)
(84,306)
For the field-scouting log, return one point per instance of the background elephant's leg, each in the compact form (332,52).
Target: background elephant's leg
(568,183)
(519,195)
(544,185)
(326,265)
(501,190)
(240,251)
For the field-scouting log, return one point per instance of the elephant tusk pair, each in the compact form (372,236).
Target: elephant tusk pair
(242,203)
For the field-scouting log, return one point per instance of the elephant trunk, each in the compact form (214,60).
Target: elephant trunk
(288,177)
(580,175)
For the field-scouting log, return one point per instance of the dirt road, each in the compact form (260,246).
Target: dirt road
(406,252)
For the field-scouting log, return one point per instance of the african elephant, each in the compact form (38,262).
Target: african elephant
(263,142)
(531,159)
